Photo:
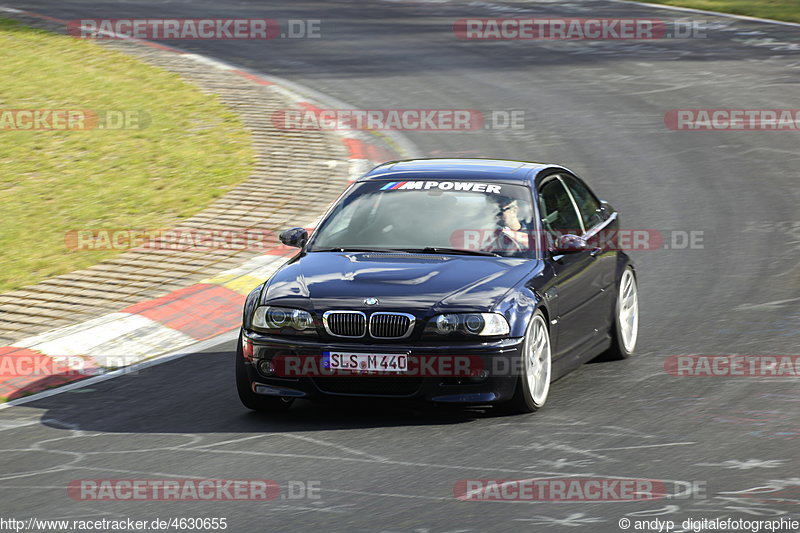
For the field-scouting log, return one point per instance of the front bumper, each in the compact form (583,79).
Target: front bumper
(495,382)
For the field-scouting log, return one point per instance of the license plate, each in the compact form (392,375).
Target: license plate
(361,362)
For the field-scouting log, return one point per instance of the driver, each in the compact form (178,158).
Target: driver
(511,232)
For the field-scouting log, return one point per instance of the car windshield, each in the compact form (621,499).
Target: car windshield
(465,217)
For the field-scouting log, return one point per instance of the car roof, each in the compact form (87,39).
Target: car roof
(459,169)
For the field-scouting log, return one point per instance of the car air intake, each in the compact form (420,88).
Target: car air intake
(390,325)
(369,386)
(351,324)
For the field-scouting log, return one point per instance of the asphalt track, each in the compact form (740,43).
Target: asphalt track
(595,107)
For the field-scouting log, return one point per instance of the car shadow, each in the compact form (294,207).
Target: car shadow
(197,394)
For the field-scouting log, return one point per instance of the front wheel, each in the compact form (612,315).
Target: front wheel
(533,383)
(251,400)
(625,329)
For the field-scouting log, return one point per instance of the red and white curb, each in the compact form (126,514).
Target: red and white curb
(134,334)
(157,330)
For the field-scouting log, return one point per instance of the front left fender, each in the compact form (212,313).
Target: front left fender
(250,304)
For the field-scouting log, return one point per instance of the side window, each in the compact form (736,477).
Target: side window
(558,213)
(587,203)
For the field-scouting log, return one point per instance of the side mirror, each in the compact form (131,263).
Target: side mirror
(605,210)
(570,243)
(295,237)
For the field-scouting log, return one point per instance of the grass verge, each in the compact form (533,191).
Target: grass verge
(188,150)
(786,10)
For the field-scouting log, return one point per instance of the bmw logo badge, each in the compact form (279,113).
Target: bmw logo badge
(371,301)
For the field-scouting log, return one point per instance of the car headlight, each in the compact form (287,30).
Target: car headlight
(282,320)
(481,324)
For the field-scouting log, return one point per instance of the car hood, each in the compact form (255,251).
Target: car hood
(333,280)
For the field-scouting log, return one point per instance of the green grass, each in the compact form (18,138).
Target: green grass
(193,151)
(788,10)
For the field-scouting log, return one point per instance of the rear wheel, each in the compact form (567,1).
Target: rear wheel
(625,329)
(533,384)
(251,400)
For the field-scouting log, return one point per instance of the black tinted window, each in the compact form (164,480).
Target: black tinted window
(588,204)
(558,213)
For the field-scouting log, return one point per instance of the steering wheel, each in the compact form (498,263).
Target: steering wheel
(501,241)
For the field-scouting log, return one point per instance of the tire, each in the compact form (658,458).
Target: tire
(533,384)
(625,327)
(251,400)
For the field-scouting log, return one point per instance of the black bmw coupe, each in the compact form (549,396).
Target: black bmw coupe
(470,281)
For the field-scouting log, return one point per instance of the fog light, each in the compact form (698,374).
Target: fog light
(479,376)
(266,368)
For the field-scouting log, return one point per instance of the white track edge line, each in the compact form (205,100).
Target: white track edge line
(159,359)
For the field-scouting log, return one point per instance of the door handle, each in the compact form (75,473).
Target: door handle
(595,252)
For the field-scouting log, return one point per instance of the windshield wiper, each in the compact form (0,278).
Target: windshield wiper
(354,249)
(426,250)
(453,251)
